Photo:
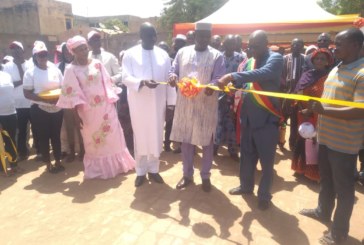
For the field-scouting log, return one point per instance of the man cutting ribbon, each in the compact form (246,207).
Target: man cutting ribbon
(259,117)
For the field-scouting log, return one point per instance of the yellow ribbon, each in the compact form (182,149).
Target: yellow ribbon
(286,96)
(3,153)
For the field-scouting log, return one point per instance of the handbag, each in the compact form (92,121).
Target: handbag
(311,152)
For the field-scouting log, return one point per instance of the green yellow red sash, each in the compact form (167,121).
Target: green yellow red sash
(260,100)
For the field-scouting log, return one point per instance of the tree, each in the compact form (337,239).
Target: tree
(339,7)
(180,11)
(115,24)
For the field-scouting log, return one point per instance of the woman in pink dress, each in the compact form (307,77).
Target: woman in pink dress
(88,89)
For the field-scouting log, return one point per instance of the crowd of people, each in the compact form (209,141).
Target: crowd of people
(117,114)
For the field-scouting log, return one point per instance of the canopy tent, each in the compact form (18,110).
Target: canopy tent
(275,17)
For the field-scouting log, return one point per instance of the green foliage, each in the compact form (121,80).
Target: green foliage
(115,24)
(339,7)
(182,11)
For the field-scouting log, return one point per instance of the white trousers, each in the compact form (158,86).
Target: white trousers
(146,164)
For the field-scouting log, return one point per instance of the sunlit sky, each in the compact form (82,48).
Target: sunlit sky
(94,8)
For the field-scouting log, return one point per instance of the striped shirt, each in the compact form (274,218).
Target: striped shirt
(345,82)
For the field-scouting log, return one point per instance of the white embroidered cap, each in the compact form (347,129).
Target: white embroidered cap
(16,44)
(39,46)
(91,34)
(181,37)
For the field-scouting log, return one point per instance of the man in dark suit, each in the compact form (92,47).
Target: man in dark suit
(259,122)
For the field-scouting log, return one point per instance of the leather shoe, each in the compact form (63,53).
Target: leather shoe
(206,185)
(139,180)
(155,177)
(314,214)
(239,191)
(184,182)
(263,204)
(167,147)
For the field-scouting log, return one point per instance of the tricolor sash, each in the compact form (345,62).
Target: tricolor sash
(260,100)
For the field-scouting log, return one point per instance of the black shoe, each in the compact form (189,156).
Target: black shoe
(331,238)
(156,177)
(314,214)
(184,182)
(139,180)
(206,185)
(263,204)
(239,191)
(167,147)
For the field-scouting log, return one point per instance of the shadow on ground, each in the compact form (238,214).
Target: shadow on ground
(156,200)
(283,226)
(81,191)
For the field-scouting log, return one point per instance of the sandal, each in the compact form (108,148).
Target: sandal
(331,239)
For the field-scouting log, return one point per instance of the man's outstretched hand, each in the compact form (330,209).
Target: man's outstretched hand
(224,80)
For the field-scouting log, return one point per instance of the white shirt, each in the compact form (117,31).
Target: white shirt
(111,64)
(12,69)
(40,80)
(7,101)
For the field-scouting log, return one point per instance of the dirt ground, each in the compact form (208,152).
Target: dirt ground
(43,208)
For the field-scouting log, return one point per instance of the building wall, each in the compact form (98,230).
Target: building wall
(45,17)
(30,20)
(19,17)
(53,15)
(124,41)
(111,43)
(132,22)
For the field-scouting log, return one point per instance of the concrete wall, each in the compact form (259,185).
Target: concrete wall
(133,21)
(52,16)
(45,17)
(19,17)
(30,20)
(111,43)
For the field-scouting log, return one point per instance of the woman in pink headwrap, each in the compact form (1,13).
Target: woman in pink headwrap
(87,88)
